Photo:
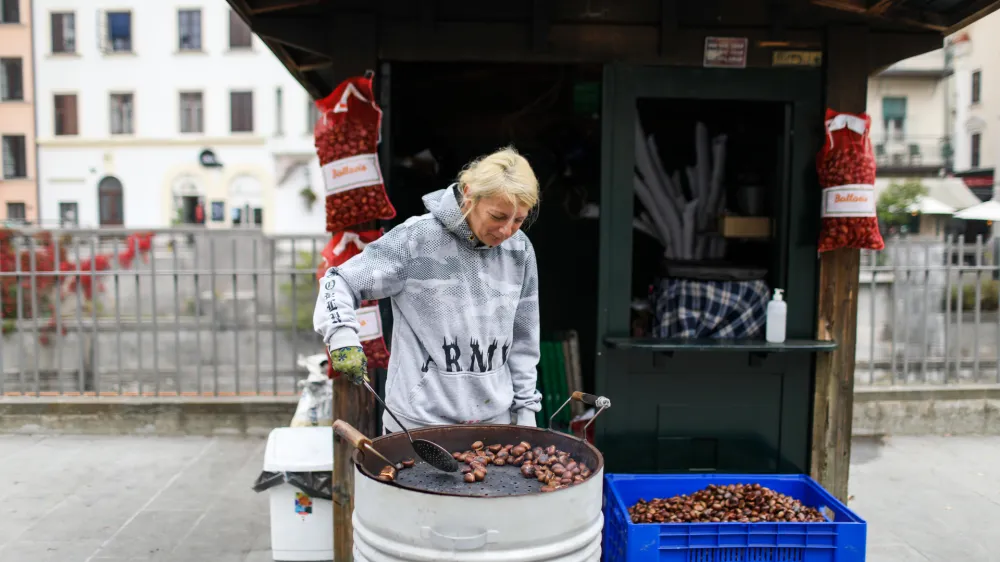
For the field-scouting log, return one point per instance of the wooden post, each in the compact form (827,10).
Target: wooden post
(833,402)
(355,405)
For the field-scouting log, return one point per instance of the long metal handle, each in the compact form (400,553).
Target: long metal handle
(600,402)
(591,399)
(358,439)
(348,432)
(379,398)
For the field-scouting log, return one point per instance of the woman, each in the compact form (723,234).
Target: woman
(464,288)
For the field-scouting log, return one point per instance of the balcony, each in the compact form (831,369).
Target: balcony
(913,154)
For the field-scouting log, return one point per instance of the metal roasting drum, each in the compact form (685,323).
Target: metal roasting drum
(429,515)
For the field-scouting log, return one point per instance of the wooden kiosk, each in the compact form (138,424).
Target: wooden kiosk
(693,405)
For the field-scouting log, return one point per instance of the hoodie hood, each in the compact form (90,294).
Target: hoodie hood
(446,206)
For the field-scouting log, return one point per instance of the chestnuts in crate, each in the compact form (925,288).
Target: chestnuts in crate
(733,503)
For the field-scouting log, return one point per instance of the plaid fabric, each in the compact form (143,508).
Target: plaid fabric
(710,309)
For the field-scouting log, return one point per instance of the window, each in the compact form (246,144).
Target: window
(312,116)
(977,140)
(977,86)
(240,36)
(122,108)
(15,159)
(10,11)
(66,115)
(894,116)
(192,113)
(241,112)
(189,30)
(119,32)
(11,80)
(68,214)
(279,113)
(16,211)
(63,33)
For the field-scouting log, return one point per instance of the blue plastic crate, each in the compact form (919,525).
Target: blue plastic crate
(841,540)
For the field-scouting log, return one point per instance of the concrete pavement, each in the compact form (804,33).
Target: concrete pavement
(173,499)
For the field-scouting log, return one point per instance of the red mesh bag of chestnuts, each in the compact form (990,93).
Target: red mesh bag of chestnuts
(342,247)
(846,167)
(347,134)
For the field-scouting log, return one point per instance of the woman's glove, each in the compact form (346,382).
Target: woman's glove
(350,361)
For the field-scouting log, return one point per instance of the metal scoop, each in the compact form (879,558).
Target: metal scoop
(432,453)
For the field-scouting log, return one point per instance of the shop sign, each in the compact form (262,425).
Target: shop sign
(978,181)
(797,58)
(725,52)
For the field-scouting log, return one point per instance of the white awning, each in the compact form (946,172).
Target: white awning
(988,211)
(931,206)
(949,192)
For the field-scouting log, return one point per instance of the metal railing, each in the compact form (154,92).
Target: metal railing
(195,312)
(928,313)
(185,312)
(894,150)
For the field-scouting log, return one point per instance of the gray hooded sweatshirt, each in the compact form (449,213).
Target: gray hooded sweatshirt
(465,336)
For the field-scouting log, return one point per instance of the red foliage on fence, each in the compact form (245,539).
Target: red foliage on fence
(43,290)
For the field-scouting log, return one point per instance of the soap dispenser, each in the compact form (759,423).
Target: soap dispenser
(777,314)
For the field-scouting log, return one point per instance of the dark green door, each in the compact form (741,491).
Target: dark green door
(696,410)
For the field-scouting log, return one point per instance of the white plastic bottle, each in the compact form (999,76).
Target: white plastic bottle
(777,314)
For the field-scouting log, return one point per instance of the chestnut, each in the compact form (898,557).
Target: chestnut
(518,451)
(469,477)
(408,463)
(388,474)
(495,448)
(479,474)
(477,445)
(550,450)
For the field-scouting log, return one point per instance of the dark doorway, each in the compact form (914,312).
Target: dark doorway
(110,201)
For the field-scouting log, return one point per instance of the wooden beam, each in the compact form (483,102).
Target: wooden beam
(853,6)
(880,7)
(889,48)
(268,6)
(833,400)
(976,11)
(313,65)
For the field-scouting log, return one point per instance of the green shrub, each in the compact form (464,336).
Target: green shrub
(989,297)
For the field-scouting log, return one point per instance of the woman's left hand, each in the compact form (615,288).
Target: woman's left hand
(350,361)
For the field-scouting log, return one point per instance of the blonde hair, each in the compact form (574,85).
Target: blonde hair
(505,173)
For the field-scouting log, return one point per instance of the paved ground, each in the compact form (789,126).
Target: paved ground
(929,498)
(83,499)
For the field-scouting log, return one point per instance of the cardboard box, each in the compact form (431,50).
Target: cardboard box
(745,227)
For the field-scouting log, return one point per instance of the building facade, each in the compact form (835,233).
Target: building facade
(975,52)
(18,187)
(152,114)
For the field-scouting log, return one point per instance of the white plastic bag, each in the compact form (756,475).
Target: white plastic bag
(316,401)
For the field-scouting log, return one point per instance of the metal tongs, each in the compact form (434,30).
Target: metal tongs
(599,402)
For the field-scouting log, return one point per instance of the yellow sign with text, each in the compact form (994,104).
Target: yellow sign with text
(797,58)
